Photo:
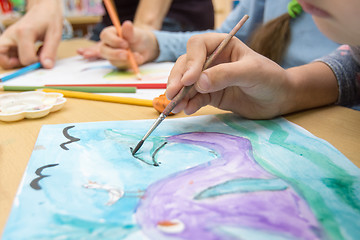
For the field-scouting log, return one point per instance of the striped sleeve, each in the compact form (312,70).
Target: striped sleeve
(346,68)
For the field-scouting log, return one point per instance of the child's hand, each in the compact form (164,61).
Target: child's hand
(92,52)
(43,22)
(240,80)
(142,43)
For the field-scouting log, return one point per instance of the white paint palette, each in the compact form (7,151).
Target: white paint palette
(34,104)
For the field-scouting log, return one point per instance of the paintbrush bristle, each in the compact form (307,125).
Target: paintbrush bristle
(138,146)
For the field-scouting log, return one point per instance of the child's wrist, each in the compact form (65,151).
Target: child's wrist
(311,85)
(293,96)
(154,49)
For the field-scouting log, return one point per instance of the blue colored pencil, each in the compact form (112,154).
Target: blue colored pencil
(21,71)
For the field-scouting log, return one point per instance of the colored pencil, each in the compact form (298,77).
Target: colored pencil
(115,20)
(21,71)
(73,88)
(99,97)
(137,85)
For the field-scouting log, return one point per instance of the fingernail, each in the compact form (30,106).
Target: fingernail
(48,63)
(203,83)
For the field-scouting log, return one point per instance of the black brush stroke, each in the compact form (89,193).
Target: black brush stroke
(138,158)
(71,138)
(156,164)
(35,182)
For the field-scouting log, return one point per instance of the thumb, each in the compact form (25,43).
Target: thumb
(49,48)
(128,31)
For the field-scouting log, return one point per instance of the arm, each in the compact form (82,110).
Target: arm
(347,72)
(168,46)
(151,19)
(42,22)
(144,19)
(173,45)
(314,85)
(247,83)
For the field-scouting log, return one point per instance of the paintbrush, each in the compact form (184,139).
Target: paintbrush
(186,89)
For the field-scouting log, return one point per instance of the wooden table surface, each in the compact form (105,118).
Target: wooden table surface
(337,125)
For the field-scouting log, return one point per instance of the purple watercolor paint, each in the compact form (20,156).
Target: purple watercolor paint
(282,212)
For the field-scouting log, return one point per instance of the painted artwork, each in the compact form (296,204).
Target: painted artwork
(208,177)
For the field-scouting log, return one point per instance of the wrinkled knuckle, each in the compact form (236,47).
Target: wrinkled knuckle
(257,64)
(23,30)
(104,33)
(198,102)
(196,39)
(181,58)
(57,34)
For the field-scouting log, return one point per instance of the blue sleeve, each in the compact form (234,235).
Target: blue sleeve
(347,72)
(173,45)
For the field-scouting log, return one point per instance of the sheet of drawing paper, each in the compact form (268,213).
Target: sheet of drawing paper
(76,70)
(208,177)
(149,94)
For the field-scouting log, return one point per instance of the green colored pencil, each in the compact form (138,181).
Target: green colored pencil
(74,88)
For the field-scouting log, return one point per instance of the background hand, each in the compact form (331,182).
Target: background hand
(18,44)
(92,52)
(142,43)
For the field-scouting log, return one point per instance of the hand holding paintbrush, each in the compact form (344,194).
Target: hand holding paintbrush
(186,89)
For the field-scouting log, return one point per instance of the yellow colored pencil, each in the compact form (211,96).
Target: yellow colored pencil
(99,97)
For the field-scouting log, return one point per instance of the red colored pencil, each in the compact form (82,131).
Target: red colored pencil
(137,85)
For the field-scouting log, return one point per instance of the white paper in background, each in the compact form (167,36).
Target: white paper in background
(149,94)
(76,70)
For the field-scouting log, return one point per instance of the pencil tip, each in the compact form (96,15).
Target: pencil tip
(138,146)
(138,76)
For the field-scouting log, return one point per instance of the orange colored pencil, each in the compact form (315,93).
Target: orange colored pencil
(115,20)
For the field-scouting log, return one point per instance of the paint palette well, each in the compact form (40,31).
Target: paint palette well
(35,104)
